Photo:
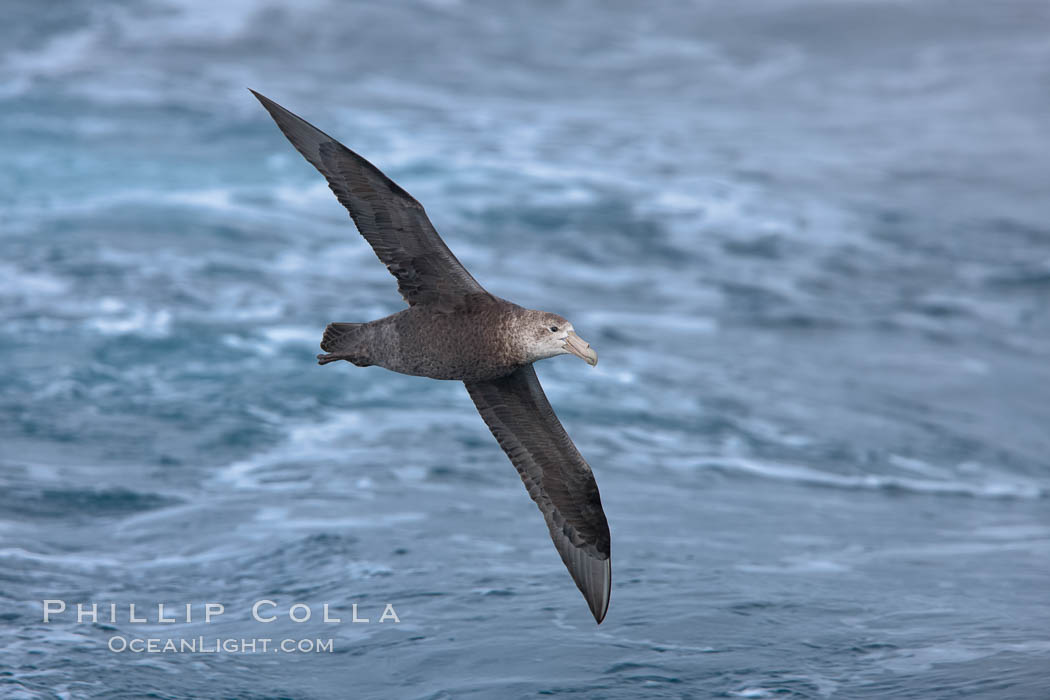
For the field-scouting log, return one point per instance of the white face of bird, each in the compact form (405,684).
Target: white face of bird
(550,335)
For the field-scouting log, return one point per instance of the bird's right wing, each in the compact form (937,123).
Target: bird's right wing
(389,218)
(555,474)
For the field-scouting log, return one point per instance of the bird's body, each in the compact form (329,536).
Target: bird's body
(476,342)
(455,329)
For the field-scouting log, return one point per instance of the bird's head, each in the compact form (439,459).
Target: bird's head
(547,335)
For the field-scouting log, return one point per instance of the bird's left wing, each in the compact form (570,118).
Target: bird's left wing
(390,219)
(555,474)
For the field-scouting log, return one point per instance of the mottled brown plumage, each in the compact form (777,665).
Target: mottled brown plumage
(454,329)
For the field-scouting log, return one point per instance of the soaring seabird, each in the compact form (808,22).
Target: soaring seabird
(454,329)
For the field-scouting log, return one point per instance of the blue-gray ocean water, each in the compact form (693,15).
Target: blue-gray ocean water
(809,240)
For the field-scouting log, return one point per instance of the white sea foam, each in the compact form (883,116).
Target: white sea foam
(328,439)
(21,283)
(806,475)
(88,562)
(284,335)
(154,324)
(797,565)
(920,659)
(377,521)
(57,56)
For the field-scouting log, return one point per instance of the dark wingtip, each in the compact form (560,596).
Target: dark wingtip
(593,576)
(266,101)
(279,113)
(598,595)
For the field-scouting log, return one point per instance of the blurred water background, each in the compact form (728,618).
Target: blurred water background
(809,240)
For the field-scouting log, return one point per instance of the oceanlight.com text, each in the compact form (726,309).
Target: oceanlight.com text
(219,645)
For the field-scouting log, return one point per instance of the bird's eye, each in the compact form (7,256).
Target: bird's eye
(554,329)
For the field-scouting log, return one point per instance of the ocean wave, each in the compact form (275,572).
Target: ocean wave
(25,285)
(777,471)
(64,503)
(743,209)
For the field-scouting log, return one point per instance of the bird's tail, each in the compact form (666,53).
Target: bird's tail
(338,336)
(342,342)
